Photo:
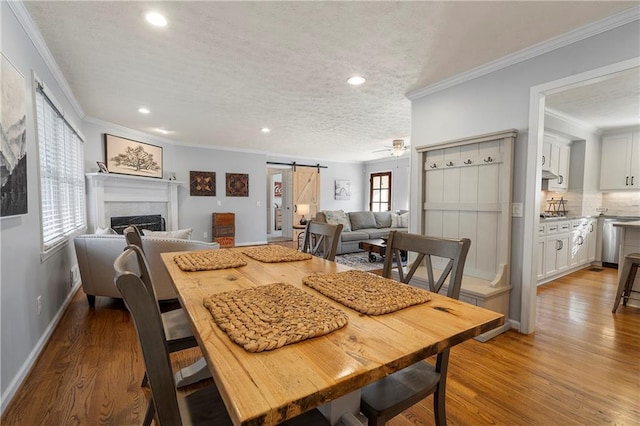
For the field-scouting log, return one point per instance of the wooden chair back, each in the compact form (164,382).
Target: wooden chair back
(452,250)
(133,236)
(321,239)
(148,323)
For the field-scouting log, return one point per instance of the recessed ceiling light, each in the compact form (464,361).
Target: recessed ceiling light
(356,80)
(143,110)
(163,131)
(265,130)
(154,18)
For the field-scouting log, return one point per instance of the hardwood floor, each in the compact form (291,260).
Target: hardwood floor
(580,367)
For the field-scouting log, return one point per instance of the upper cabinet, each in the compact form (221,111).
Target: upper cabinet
(620,167)
(555,159)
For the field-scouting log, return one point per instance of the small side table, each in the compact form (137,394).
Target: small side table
(298,233)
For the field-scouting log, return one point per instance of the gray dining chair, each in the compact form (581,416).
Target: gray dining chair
(321,239)
(390,396)
(175,322)
(201,407)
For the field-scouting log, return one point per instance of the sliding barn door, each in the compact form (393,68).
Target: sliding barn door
(306,190)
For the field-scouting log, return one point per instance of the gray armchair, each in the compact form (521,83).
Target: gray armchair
(96,254)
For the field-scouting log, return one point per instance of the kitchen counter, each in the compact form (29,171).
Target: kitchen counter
(635,224)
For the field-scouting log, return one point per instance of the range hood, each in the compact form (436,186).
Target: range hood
(546,174)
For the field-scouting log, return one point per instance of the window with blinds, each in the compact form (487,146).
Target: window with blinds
(62,193)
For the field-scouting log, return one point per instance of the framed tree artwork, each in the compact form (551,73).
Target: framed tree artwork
(237,185)
(202,184)
(129,157)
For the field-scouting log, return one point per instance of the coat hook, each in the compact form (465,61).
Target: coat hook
(468,161)
(434,166)
(488,160)
(450,163)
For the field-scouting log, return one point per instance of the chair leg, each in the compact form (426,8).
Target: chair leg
(622,284)
(439,410)
(150,414)
(629,285)
(145,380)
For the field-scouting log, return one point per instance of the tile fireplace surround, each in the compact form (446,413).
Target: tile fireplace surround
(110,194)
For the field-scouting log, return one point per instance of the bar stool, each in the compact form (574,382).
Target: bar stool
(627,277)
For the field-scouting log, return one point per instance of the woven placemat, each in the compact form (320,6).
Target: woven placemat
(367,293)
(268,317)
(207,260)
(275,253)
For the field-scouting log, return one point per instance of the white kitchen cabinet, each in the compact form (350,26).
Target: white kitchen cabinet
(541,254)
(620,161)
(561,168)
(591,240)
(556,248)
(546,156)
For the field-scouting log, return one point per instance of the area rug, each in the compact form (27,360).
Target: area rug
(360,261)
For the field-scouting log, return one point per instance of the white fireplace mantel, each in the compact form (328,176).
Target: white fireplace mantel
(105,188)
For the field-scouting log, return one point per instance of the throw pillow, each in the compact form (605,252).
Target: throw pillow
(404,220)
(337,217)
(383,219)
(395,220)
(183,234)
(105,231)
(362,220)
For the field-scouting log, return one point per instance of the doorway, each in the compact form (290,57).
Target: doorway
(534,177)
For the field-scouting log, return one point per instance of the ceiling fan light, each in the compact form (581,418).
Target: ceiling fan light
(398,147)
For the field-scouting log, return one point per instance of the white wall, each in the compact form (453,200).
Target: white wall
(500,100)
(23,276)
(400,171)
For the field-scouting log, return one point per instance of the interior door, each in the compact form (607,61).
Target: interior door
(306,190)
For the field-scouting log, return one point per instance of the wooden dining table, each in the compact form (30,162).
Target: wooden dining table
(326,372)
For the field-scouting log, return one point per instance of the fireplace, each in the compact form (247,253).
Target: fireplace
(111,195)
(152,222)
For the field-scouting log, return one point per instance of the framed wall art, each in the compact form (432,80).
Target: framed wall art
(343,189)
(202,184)
(14,140)
(129,157)
(237,185)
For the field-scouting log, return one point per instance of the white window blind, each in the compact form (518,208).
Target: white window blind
(61,174)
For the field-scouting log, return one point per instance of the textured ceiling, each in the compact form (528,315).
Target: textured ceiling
(604,103)
(220,71)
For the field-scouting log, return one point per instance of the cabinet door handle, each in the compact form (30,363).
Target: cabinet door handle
(543,160)
(580,240)
(631,180)
(561,179)
(591,227)
(627,183)
(559,245)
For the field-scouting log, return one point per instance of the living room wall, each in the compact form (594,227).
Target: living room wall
(24,275)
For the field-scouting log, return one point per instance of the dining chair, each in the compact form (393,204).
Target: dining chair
(175,322)
(321,239)
(133,236)
(201,407)
(390,396)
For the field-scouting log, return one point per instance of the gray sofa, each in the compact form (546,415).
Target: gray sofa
(96,254)
(362,226)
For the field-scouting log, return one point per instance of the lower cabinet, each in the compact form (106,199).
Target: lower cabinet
(564,246)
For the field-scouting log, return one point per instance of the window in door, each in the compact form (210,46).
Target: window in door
(380,192)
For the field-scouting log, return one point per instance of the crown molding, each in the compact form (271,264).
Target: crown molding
(21,13)
(572,120)
(573,36)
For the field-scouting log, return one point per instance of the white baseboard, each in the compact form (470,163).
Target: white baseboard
(23,372)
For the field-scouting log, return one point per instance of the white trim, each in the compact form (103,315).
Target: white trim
(21,13)
(606,24)
(533,179)
(571,120)
(29,363)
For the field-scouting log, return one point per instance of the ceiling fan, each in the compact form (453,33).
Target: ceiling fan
(396,149)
